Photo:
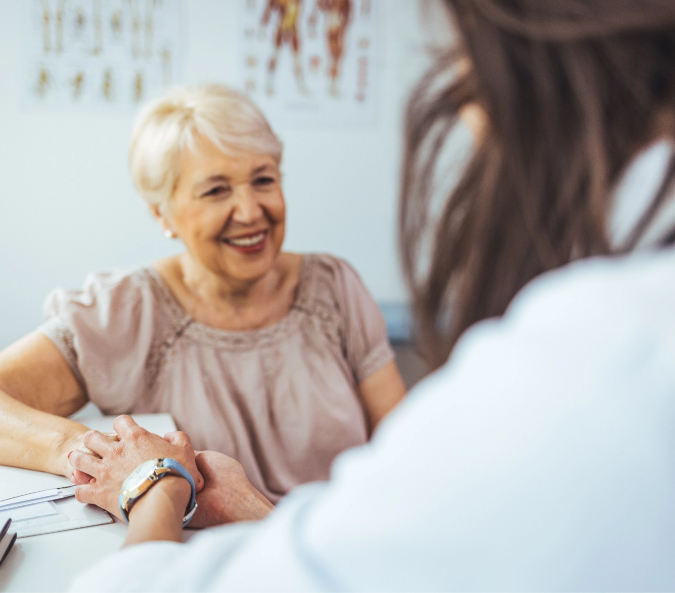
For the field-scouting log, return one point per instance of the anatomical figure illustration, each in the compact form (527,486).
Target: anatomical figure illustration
(109,53)
(337,15)
(286,34)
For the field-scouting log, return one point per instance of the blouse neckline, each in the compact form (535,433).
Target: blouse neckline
(184,325)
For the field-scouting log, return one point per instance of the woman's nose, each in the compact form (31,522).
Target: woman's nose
(247,210)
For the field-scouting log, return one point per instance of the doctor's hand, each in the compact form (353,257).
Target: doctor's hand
(228,496)
(113,461)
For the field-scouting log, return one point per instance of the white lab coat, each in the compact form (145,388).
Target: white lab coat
(540,457)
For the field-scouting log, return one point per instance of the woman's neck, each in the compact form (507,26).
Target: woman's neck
(232,304)
(217,288)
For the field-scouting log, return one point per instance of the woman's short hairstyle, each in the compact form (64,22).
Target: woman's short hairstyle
(170,124)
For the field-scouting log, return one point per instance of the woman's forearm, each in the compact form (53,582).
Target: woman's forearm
(36,440)
(37,389)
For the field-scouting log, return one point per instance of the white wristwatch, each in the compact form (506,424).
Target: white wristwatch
(146,475)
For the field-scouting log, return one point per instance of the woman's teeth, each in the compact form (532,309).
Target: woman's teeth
(247,241)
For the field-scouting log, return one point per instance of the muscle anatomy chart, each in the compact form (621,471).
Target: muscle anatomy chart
(311,61)
(108,53)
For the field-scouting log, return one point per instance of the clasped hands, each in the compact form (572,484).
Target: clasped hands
(224,493)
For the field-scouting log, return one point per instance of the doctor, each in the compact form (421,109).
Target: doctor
(541,454)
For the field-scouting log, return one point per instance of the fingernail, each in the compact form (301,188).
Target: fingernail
(69,454)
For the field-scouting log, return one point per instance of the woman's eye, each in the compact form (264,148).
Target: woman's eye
(263,181)
(216,191)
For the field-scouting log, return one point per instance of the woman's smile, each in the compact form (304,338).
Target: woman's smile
(229,211)
(249,243)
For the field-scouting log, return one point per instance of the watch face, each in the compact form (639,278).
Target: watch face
(139,475)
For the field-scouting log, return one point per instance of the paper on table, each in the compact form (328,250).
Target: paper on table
(19,482)
(35,497)
(28,513)
(70,515)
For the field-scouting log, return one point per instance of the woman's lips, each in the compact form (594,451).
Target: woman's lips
(248,243)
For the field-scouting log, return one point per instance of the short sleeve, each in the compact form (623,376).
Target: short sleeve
(365,338)
(105,331)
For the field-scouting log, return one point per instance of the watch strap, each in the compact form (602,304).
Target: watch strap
(174,466)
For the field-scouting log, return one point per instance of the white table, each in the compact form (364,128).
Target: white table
(50,562)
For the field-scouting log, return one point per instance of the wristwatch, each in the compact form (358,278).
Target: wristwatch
(145,476)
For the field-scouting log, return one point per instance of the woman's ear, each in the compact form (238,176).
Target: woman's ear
(164,224)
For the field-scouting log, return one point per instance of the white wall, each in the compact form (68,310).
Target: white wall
(67,205)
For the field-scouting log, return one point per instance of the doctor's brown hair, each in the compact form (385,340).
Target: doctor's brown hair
(572,89)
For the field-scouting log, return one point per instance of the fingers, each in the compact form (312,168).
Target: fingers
(86,463)
(80,478)
(98,443)
(126,428)
(180,439)
(211,464)
(93,494)
(85,494)
(202,465)
(199,482)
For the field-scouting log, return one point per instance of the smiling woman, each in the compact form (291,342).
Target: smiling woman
(279,360)
(229,212)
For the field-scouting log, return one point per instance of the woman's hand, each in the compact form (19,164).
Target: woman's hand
(228,496)
(77,477)
(113,461)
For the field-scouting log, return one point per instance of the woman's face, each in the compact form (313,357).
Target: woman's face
(229,211)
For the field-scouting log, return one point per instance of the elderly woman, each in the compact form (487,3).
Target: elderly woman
(276,359)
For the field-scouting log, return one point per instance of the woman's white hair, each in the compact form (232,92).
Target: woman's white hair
(170,124)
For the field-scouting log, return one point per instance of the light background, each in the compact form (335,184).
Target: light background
(67,205)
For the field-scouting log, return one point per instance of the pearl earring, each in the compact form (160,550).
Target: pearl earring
(169,234)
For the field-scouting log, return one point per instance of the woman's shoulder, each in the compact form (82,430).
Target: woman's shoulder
(331,284)
(337,294)
(329,272)
(327,280)
(117,291)
(114,280)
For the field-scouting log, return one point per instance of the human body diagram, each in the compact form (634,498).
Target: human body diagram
(337,15)
(286,34)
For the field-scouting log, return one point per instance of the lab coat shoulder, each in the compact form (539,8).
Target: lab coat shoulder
(539,456)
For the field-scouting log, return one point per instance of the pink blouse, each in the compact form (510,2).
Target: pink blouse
(282,400)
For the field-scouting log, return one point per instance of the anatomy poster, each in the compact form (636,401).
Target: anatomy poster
(311,61)
(105,53)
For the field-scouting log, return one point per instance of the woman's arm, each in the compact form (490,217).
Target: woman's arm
(37,388)
(381,392)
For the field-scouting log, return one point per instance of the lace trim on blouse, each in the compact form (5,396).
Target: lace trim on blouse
(182,325)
